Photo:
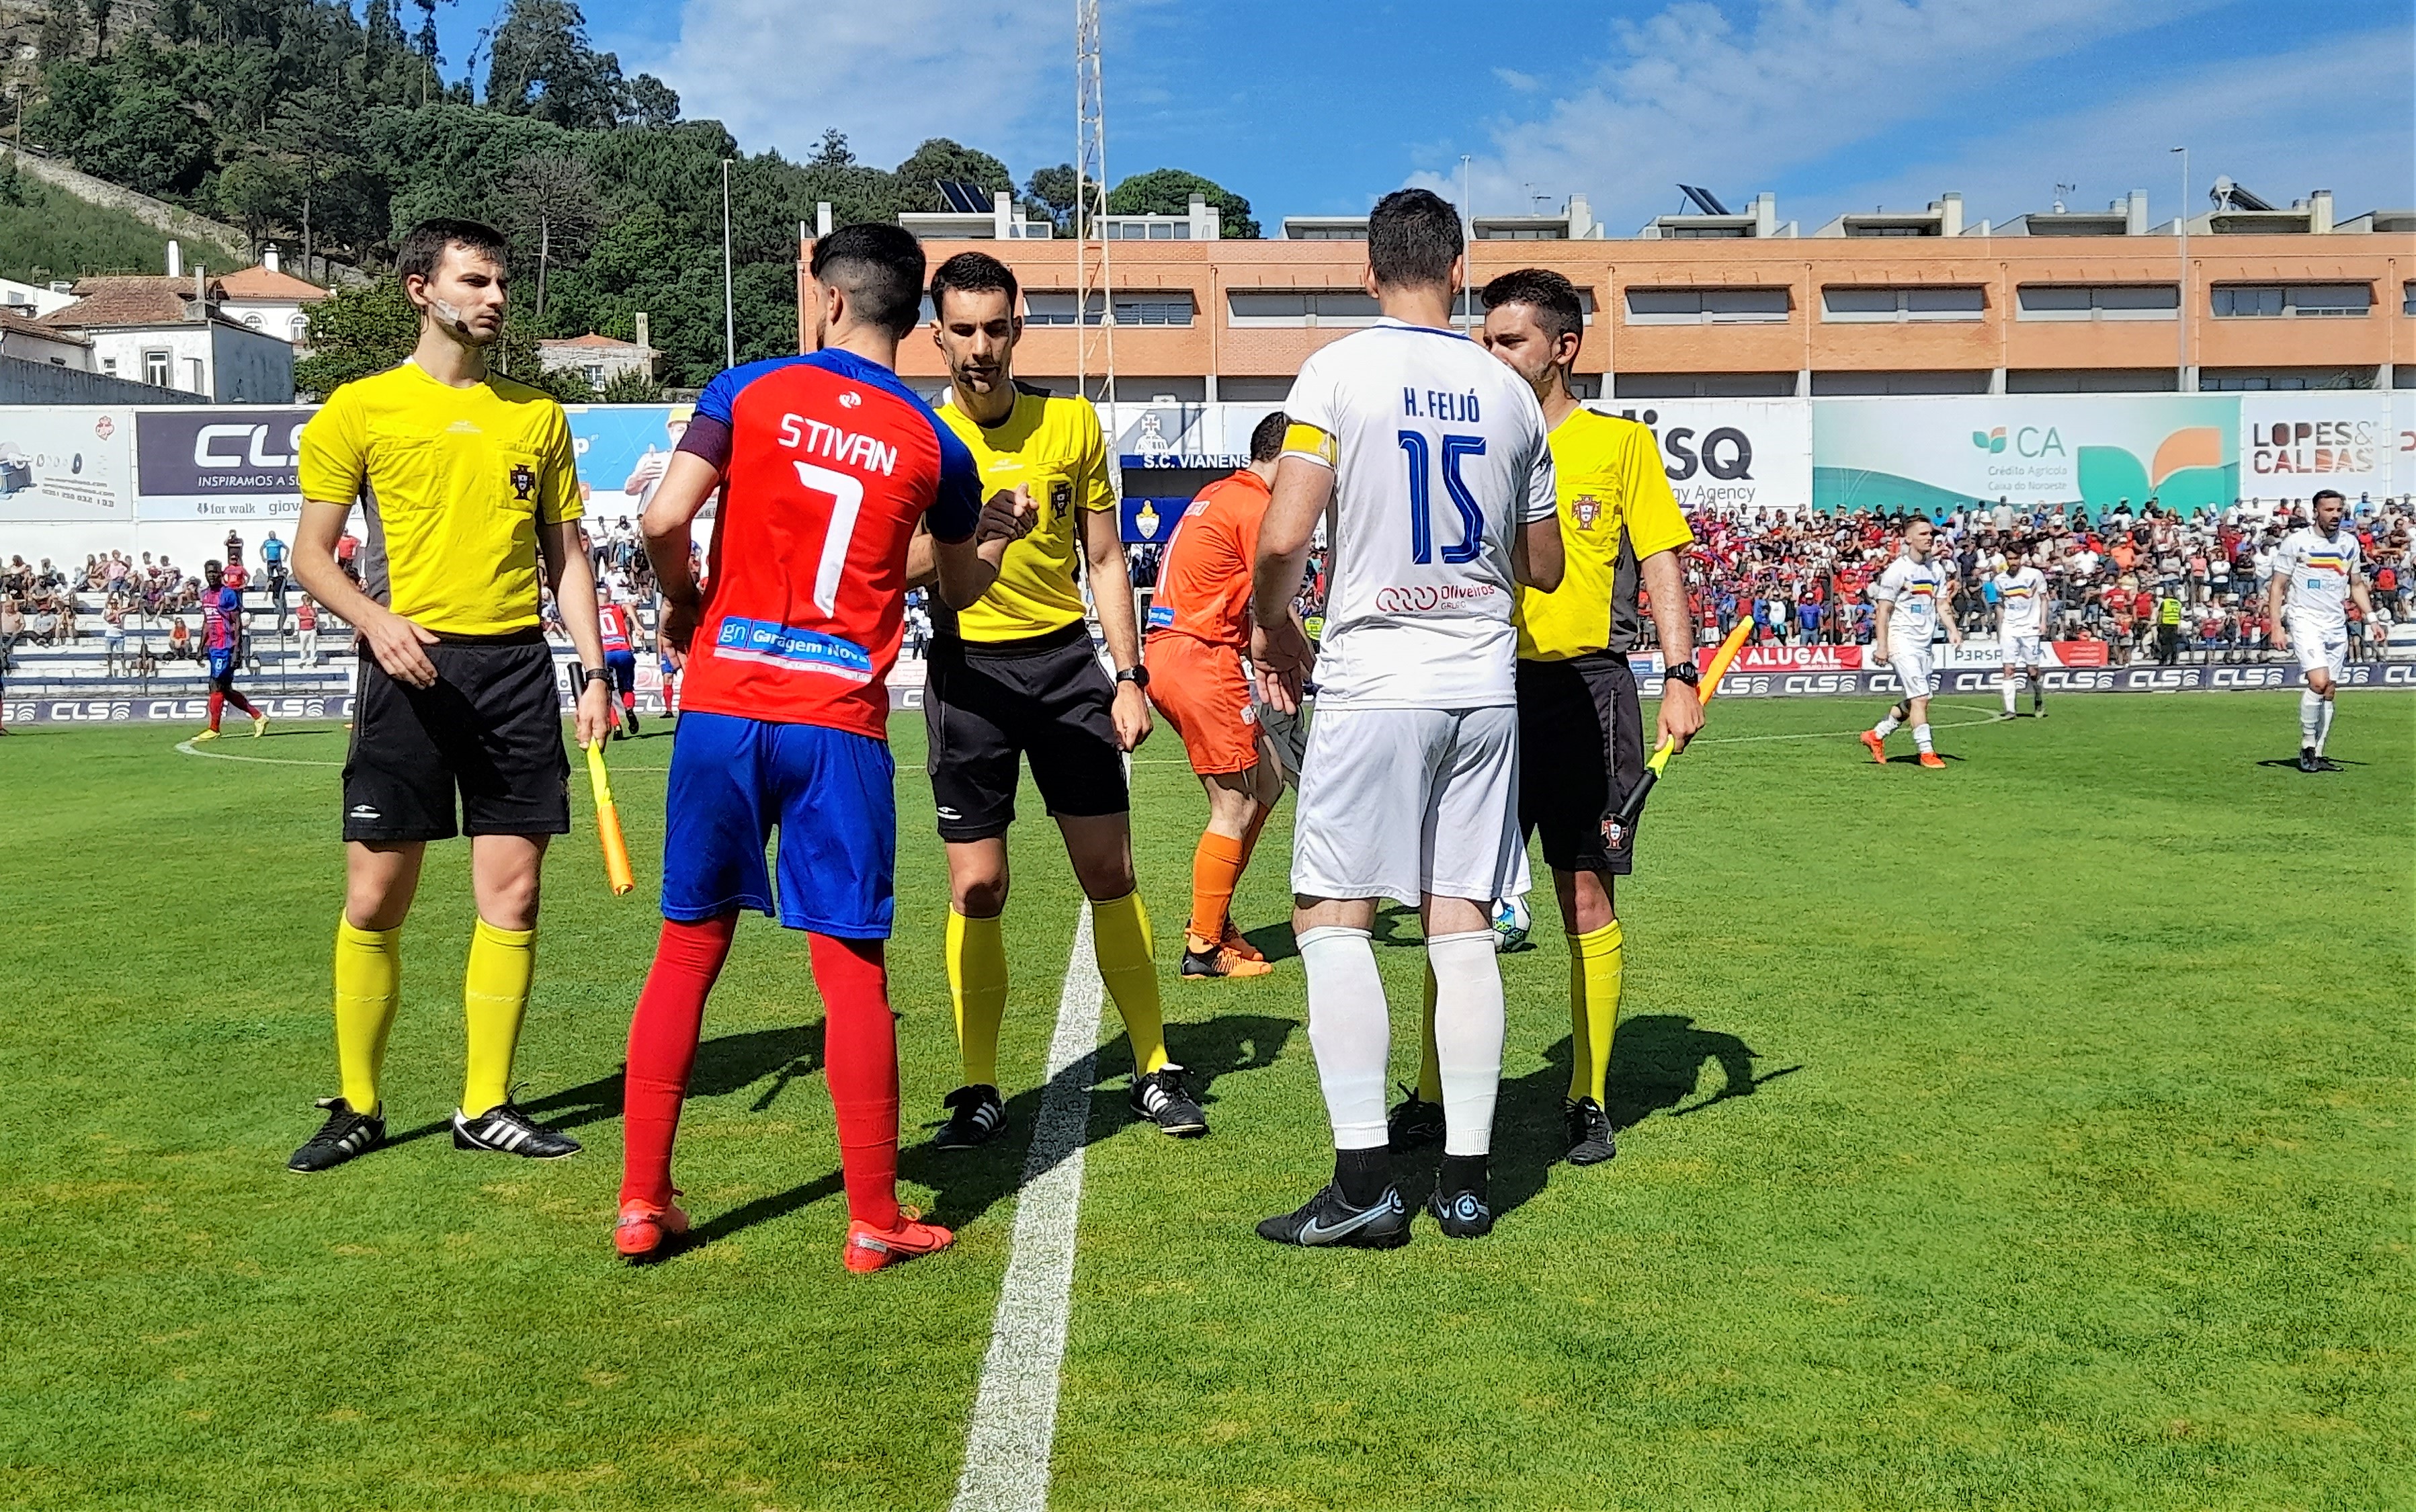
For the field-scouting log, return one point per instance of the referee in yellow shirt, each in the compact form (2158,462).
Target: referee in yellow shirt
(1015,678)
(468,484)
(1580,726)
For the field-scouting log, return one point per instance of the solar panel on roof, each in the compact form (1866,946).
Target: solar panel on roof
(1704,199)
(963,199)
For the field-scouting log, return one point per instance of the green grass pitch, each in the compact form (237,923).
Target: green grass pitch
(2030,1134)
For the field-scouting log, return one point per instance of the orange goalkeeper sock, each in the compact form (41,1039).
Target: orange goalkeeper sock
(1215,869)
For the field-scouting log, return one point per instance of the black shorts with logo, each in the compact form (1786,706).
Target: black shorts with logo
(1047,699)
(490,732)
(1580,752)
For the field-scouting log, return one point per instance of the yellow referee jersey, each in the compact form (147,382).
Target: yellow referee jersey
(1051,444)
(1616,510)
(454,483)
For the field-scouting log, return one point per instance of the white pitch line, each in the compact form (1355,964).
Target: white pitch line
(186,747)
(1014,1423)
(1832,734)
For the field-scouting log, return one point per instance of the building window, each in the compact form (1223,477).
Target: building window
(252,320)
(109,364)
(594,375)
(1910,302)
(1706,307)
(2097,301)
(1301,307)
(1055,307)
(300,326)
(194,371)
(2256,300)
(155,369)
(2407,298)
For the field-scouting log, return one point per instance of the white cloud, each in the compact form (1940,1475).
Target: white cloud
(1694,96)
(1526,84)
(889,75)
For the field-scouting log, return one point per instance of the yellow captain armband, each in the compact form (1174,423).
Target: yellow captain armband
(1309,442)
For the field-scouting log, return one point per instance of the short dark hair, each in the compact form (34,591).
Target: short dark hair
(972,273)
(423,245)
(2321,494)
(1267,437)
(879,266)
(1413,238)
(1552,298)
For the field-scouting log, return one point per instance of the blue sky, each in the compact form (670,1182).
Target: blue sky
(1831,104)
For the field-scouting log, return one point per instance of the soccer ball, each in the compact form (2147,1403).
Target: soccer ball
(1511,922)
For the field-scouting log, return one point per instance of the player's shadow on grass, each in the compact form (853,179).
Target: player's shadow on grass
(724,1065)
(1658,1065)
(2290,763)
(967,1184)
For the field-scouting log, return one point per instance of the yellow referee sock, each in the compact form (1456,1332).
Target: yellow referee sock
(976,950)
(1596,960)
(494,998)
(368,981)
(1429,1060)
(1120,938)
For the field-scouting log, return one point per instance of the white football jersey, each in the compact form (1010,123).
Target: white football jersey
(1439,451)
(2022,593)
(1913,593)
(2321,568)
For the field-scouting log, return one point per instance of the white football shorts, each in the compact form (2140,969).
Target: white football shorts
(2319,645)
(1912,669)
(2021,650)
(1395,803)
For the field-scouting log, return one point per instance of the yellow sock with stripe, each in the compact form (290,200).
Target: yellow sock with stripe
(494,998)
(1596,962)
(368,983)
(1120,937)
(1429,1060)
(976,951)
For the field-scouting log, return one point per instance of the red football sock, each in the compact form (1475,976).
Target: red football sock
(860,1058)
(629,700)
(662,1048)
(217,706)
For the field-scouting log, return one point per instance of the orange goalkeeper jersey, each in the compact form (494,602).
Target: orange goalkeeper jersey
(1204,584)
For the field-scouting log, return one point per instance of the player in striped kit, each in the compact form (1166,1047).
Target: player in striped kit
(2021,622)
(1911,594)
(2317,570)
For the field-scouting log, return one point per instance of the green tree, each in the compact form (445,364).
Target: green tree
(61,35)
(256,193)
(1168,192)
(1050,192)
(832,151)
(356,332)
(553,202)
(539,64)
(630,386)
(939,161)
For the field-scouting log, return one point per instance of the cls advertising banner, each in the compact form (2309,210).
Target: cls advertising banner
(2217,677)
(1925,454)
(1733,455)
(65,467)
(218,464)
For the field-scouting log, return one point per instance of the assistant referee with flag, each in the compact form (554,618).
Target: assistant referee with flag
(468,484)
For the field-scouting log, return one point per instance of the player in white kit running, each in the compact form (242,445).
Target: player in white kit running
(2021,623)
(2316,571)
(1433,459)
(1912,594)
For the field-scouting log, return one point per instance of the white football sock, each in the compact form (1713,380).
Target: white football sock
(1468,1035)
(1888,725)
(2310,704)
(2323,723)
(1349,1029)
(1920,736)
(2009,692)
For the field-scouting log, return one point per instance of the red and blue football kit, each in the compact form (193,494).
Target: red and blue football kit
(827,464)
(222,643)
(620,656)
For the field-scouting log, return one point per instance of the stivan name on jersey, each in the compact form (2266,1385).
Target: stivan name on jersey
(1437,405)
(817,438)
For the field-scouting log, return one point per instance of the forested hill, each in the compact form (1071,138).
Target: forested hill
(330,130)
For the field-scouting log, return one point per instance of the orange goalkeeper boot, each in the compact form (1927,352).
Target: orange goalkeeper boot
(1239,943)
(644,1229)
(869,1248)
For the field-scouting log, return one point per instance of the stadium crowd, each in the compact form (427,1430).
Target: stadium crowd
(2125,579)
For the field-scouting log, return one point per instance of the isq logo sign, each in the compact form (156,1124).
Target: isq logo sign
(1991,442)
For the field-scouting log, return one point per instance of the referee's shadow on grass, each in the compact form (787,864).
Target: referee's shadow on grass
(1658,1065)
(967,1184)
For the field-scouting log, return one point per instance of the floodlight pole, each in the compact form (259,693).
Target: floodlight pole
(2181,380)
(729,305)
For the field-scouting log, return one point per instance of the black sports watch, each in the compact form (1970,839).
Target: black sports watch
(1684,672)
(592,675)
(1136,674)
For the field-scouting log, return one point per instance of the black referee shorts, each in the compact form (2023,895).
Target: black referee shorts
(1581,751)
(1047,699)
(489,731)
